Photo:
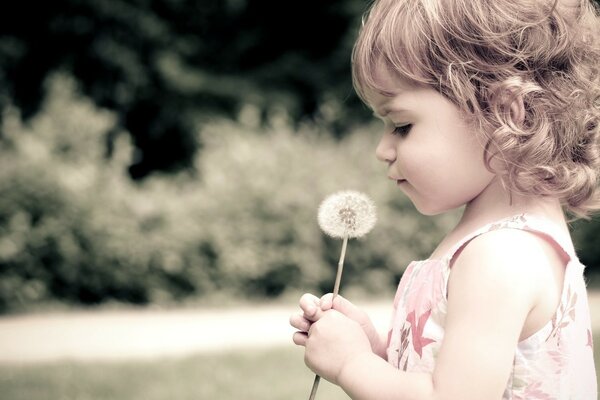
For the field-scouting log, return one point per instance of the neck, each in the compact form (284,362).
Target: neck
(495,202)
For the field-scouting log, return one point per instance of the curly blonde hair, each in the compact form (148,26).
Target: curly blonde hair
(486,55)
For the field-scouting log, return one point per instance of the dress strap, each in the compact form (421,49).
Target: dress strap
(543,227)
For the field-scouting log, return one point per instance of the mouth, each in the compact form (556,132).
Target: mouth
(399,181)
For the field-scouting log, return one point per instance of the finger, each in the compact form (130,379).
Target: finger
(326,302)
(339,303)
(300,338)
(310,305)
(342,305)
(299,322)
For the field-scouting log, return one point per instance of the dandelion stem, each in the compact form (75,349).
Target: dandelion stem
(336,290)
(338,278)
(315,386)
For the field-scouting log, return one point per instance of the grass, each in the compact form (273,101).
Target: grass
(254,374)
(272,374)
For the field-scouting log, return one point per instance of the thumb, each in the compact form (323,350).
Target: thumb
(338,303)
(351,311)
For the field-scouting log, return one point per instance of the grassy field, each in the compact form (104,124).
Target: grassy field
(255,374)
(272,374)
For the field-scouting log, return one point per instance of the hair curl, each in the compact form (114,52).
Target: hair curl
(486,55)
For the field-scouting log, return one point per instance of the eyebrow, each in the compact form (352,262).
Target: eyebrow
(386,111)
(380,116)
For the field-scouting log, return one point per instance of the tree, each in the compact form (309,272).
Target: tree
(167,65)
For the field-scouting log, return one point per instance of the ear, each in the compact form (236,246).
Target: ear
(517,110)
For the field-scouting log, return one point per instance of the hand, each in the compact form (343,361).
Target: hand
(313,308)
(311,312)
(378,343)
(331,338)
(332,342)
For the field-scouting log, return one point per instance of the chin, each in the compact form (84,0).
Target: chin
(431,210)
(430,213)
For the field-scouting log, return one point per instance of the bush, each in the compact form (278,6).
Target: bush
(65,226)
(75,229)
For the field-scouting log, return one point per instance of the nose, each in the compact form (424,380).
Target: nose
(386,149)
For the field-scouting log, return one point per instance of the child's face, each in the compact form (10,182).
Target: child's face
(436,158)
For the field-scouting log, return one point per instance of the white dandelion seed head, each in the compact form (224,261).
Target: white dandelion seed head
(347,212)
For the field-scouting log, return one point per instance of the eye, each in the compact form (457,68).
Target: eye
(402,130)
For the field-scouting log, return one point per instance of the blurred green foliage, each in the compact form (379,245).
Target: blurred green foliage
(75,228)
(165,66)
(134,89)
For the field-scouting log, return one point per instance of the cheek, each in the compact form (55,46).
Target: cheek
(424,164)
(445,182)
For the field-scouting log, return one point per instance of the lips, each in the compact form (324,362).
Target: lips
(397,179)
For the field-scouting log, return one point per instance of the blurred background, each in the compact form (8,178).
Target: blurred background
(163,151)
(169,153)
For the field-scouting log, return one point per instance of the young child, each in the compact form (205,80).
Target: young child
(494,106)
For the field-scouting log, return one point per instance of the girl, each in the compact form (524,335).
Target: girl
(494,106)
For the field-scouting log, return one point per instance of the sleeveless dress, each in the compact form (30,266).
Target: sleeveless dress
(556,362)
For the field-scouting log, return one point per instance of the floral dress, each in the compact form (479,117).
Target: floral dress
(554,363)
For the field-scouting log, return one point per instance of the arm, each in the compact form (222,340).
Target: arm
(488,304)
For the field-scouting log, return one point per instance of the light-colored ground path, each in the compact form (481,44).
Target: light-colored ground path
(143,334)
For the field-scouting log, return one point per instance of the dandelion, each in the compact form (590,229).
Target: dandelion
(346,214)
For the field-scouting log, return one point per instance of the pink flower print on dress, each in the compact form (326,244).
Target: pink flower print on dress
(424,281)
(565,314)
(421,287)
(534,392)
(404,342)
(418,340)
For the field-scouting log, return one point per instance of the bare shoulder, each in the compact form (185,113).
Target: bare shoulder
(514,250)
(497,260)
(522,263)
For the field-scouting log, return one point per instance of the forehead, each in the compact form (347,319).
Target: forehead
(389,86)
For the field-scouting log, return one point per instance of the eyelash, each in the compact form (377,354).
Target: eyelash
(402,130)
